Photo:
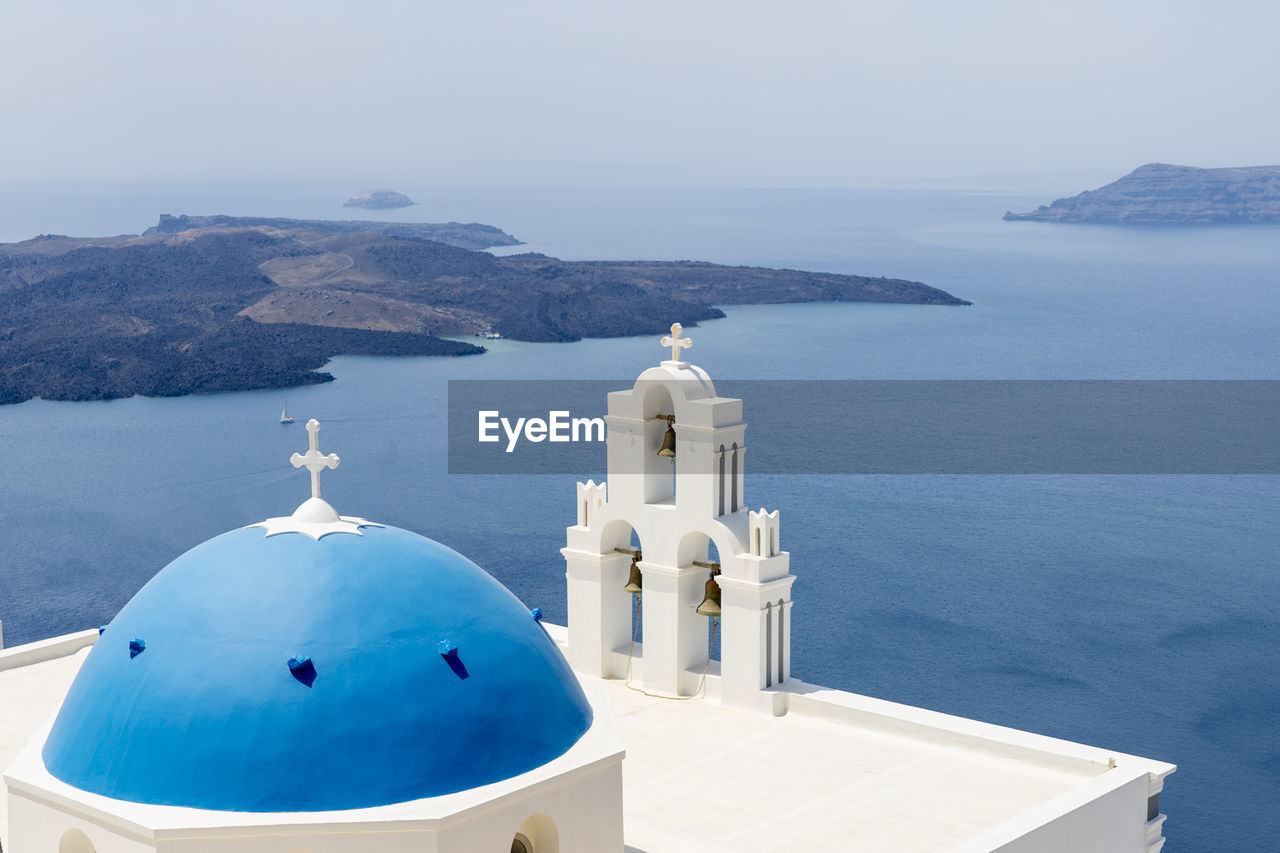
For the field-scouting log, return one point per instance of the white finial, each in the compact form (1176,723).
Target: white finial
(676,342)
(315,460)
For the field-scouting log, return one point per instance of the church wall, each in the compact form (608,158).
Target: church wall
(586,811)
(1112,822)
(38,828)
(578,812)
(302,842)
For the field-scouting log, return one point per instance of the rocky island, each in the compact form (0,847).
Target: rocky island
(464,235)
(228,305)
(1159,193)
(379,200)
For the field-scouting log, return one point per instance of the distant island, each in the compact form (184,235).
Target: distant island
(464,235)
(227,305)
(1159,193)
(379,200)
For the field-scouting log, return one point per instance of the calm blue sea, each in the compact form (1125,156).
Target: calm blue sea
(1135,613)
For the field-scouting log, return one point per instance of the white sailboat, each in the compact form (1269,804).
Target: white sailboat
(284,416)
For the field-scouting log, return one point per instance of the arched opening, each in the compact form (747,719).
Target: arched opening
(620,614)
(536,835)
(714,632)
(637,604)
(694,548)
(659,471)
(75,841)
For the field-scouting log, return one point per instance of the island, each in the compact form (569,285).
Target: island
(464,235)
(1160,193)
(226,307)
(379,200)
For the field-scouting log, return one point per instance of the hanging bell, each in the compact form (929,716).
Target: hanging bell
(635,582)
(668,448)
(710,605)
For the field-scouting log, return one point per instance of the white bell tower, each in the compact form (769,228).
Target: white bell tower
(677,507)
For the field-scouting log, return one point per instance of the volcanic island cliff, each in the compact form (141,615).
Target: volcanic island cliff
(223,303)
(1159,193)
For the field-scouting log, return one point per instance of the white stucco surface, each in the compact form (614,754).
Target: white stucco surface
(837,772)
(29,696)
(702,777)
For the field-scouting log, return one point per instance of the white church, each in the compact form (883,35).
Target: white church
(322,683)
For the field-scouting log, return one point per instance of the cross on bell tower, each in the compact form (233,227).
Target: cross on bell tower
(676,342)
(315,461)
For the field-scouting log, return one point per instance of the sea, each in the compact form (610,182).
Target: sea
(1135,613)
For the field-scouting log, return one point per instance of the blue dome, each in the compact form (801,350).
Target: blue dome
(198,693)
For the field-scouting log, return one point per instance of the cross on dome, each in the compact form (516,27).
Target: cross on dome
(676,342)
(315,517)
(315,460)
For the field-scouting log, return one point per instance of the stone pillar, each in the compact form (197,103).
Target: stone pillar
(751,637)
(599,609)
(674,634)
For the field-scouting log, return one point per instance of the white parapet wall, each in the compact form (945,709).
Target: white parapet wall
(43,650)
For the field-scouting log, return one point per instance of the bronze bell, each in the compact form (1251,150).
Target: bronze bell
(668,448)
(710,605)
(635,582)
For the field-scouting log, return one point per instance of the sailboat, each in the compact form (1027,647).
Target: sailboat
(284,416)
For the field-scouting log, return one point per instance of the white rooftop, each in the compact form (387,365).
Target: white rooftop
(837,772)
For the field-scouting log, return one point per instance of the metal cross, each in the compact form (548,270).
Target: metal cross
(314,460)
(676,342)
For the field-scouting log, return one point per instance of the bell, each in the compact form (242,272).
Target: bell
(710,605)
(635,582)
(668,448)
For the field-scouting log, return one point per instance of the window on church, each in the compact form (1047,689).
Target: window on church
(521,844)
(75,841)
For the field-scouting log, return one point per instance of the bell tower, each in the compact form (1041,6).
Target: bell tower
(673,515)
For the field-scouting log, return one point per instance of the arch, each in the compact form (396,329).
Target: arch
(617,534)
(658,401)
(75,841)
(538,834)
(693,546)
(708,547)
(659,472)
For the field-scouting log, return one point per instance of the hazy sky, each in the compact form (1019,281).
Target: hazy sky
(599,92)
